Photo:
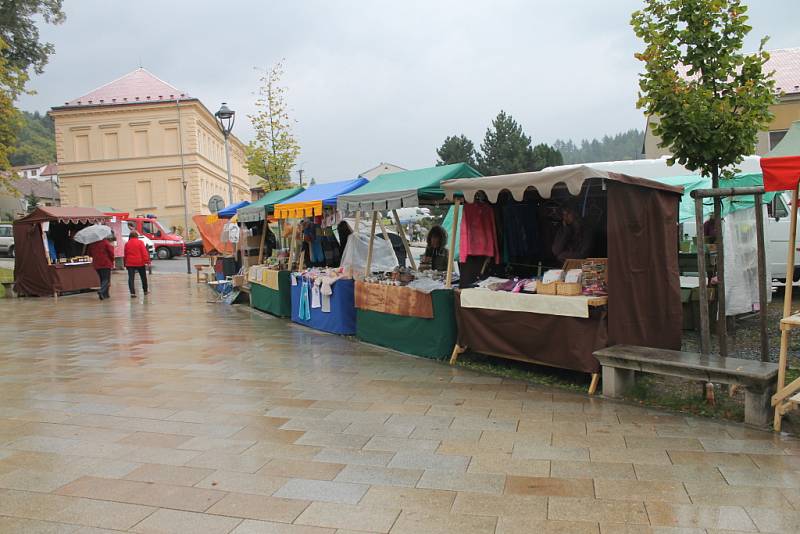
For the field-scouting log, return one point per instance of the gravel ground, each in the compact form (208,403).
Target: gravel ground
(744,340)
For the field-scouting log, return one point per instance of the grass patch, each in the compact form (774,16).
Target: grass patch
(653,391)
(6,276)
(527,372)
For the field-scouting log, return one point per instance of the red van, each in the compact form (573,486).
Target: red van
(167,244)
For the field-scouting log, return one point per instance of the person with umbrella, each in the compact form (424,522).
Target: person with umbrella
(97,238)
(102,253)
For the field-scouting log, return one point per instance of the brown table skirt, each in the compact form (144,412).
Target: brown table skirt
(564,342)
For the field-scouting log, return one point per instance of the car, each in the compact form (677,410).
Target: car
(6,240)
(195,248)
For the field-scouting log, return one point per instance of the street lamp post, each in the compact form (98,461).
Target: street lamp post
(225,119)
(185,184)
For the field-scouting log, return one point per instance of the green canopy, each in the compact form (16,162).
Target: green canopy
(729,204)
(257,210)
(403,189)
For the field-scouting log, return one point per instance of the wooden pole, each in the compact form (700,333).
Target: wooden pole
(368,269)
(762,277)
(705,333)
(358,223)
(402,232)
(293,243)
(451,252)
(261,245)
(722,316)
(383,230)
(787,305)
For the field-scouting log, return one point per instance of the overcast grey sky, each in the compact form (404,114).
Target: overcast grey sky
(376,80)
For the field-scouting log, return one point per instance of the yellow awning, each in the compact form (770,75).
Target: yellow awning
(298,210)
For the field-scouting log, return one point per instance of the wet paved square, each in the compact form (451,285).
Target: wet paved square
(167,414)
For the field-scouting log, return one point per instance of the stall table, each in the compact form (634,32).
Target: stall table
(552,330)
(341,319)
(73,277)
(274,295)
(431,336)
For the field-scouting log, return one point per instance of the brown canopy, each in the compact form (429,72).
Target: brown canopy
(33,274)
(64,215)
(644,305)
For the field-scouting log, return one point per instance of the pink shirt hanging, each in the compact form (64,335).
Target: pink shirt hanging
(478,234)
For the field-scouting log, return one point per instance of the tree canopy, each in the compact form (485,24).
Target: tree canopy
(622,146)
(456,149)
(18,28)
(274,151)
(710,98)
(36,141)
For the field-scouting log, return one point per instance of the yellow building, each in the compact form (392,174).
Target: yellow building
(786,65)
(120,146)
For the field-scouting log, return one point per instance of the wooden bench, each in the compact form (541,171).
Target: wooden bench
(622,362)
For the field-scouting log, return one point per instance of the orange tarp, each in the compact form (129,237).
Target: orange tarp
(210,228)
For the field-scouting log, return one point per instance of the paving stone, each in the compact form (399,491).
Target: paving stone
(322,490)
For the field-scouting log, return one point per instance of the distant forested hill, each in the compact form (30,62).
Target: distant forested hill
(625,145)
(36,141)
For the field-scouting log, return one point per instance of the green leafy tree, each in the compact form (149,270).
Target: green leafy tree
(18,28)
(546,156)
(31,202)
(274,151)
(505,148)
(12,84)
(456,149)
(711,99)
(36,141)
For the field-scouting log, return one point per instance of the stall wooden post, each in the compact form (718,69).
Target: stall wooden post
(383,229)
(293,242)
(705,332)
(261,245)
(368,269)
(451,252)
(762,277)
(402,233)
(358,223)
(787,311)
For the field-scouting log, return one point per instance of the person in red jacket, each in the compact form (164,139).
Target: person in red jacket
(102,253)
(136,259)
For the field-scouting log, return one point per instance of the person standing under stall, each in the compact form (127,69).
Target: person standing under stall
(102,253)
(572,240)
(436,254)
(136,260)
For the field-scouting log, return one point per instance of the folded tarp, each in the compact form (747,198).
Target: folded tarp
(404,189)
(311,201)
(262,207)
(229,211)
(781,165)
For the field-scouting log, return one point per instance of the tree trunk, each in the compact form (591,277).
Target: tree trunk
(722,323)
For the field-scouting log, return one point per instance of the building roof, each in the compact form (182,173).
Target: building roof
(786,64)
(135,87)
(40,188)
(50,170)
(28,167)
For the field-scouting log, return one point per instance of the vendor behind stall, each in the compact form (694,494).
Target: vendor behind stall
(572,240)
(436,253)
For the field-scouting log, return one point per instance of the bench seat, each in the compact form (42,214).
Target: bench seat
(621,363)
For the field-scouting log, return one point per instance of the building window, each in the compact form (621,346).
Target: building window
(776,137)
(85,196)
(33,172)
(81,148)
(174,192)
(140,147)
(144,194)
(170,141)
(110,145)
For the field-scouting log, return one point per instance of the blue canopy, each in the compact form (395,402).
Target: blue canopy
(229,211)
(311,201)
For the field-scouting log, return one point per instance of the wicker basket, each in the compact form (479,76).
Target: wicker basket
(569,289)
(547,289)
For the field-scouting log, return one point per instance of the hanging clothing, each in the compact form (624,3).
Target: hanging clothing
(304,311)
(315,296)
(520,230)
(478,232)
(326,291)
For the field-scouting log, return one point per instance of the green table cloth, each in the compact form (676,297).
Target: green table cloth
(277,302)
(430,338)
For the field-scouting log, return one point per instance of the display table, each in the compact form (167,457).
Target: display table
(73,277)
(394,300)
(560,341)
(278,301)
(431,338)
(342,317)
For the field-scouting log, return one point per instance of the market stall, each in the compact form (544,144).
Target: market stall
(408,310)
(611,242)
(297,278)
(48,262)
